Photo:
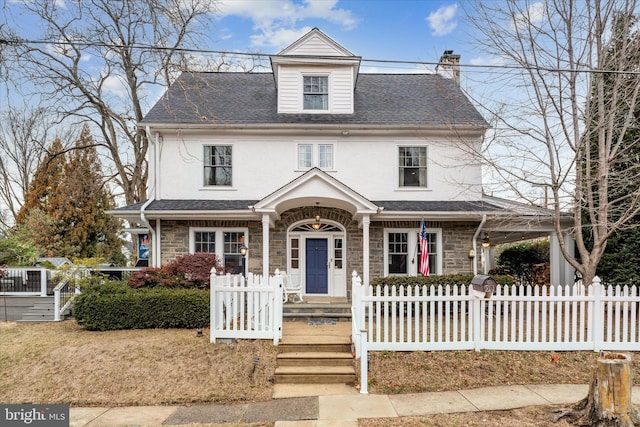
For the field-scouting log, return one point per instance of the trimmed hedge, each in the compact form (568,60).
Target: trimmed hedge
(115,305)
(451,279)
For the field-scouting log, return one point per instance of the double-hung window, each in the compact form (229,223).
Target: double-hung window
(402,252)
(412,166)
(320,155)
(316,92)
(224,243)
(217,165)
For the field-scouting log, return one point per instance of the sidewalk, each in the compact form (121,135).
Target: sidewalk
(336,410)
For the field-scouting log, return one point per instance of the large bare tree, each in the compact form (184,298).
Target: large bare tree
(102,62)
(22,133)
(569,121)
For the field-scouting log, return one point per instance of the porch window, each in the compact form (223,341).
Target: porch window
(316,92)
(204,241)
(217,165)
(432,247)
(337,254)
(295,253)
(398,253)
(225,243)
(233,260)
(412,166)
(402,251)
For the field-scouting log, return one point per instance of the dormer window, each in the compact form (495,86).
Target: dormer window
(316,92)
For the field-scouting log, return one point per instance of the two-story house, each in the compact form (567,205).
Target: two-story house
(319,169)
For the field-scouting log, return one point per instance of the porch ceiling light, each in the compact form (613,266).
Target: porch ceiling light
(316,225)
(485,241)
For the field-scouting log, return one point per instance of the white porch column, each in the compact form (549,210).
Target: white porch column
(366,220)
(265,245)
(562,273)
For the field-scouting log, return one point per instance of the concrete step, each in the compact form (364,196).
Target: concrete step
(315,375)
(317,310)
(315,359)
(315,344)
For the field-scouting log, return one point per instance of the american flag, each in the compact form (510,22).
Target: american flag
(423,268)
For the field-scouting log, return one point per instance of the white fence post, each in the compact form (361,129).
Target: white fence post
(597,314)
(477,316)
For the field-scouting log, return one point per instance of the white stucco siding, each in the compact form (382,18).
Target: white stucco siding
(290,90)
(369,166)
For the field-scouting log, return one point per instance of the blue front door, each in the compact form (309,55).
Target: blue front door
(316,266)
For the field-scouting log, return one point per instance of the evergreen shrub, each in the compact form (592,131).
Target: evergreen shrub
(450,279)
(115,305)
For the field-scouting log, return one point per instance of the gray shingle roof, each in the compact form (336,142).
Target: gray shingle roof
(389,206)
(191,205)
(250,98)
(438,206)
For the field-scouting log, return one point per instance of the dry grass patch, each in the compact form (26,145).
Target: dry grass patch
(63,363)
(540,416)
(415,372)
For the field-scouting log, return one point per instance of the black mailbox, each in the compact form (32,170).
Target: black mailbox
(483,286)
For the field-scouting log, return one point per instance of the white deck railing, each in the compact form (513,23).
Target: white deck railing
(432,318)
(24,281)
(246,307)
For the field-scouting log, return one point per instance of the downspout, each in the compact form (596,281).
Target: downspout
(474,244)
(152,196)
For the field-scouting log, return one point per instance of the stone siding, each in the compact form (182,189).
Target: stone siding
(456,238)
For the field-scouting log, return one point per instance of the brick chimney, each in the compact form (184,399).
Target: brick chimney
(449,66)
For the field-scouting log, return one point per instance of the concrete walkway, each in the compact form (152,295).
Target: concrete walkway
(335,406)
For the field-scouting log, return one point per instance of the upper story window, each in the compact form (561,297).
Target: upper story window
(325,156)
(412,167)
(320,155)
(305,156)
(217,165)
(316,92)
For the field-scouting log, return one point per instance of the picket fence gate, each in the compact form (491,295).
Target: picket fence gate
(430,318)
(246,307)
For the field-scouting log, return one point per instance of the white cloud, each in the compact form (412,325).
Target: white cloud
(279,37)
(535,14)
(442,21)
(276,21)
(115,85)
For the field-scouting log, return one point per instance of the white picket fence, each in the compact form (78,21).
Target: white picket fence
(514,318)
(246,307)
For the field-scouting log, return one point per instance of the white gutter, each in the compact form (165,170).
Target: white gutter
(474,244)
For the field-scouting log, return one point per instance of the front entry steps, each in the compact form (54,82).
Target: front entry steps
(315,360)
(315,307)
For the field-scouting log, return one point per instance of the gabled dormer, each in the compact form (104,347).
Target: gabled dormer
(315,75)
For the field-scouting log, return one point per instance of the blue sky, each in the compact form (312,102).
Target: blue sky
(405,30)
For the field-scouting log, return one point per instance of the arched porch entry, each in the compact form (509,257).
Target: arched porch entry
(316,256)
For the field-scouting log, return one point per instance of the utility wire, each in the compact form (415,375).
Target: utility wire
(338,58)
